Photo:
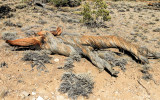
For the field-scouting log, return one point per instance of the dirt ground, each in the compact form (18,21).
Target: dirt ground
(130,20)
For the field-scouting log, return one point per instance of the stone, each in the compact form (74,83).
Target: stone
(33,93)
(121,10)
(39,98)
(21,6)
(56,60)
(156,30)
(42,22)
(25,94)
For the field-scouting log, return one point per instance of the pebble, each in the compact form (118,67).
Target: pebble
(25,94)
(98,99)
(133,33)
(56,60)
(156,30)
(121,10)
(39,98)
(21,6)
(33,93)
(60,98)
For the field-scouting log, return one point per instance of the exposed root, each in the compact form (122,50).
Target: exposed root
(143,87)
(26,42)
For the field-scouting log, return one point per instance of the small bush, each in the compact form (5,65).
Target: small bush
(87,14)
(9,35)
(69,61)
(5,11)
(95,15)
(63,3)
(76,85)
(36,56)
(59,3)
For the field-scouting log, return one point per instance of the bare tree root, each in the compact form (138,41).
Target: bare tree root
(56,45)
(102,42)
(110,57)
(143,87)
(26,41)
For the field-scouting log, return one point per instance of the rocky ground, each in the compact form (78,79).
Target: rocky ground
(134,21)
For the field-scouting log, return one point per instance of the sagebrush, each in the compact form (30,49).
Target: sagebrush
(96,14)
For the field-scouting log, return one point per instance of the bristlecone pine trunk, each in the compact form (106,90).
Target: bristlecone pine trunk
(84,45)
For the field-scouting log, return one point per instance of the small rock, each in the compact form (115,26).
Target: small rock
(133,33)
(127,9)
(18,24)
(42,22)
(156,46)
(121,10)
(137,9)
(33,93)
(156,30)
(21,6)
(60,97)
(25,94)
(151,23)
(3,93)
(156,19)
(39,4)
(33,98)
(39,98)
(56,60)
(153,15)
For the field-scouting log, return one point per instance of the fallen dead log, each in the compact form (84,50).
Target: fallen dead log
(84,45)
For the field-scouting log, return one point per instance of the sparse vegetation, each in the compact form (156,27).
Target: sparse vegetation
(38,58)
(97,14)
(9,35)
(69,62)
(62,3)
(76,85)
(59,3)
(5,11)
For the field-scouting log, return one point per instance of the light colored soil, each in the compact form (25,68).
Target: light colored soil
(18,79)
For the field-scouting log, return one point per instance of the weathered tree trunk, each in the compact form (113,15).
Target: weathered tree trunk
(85,45)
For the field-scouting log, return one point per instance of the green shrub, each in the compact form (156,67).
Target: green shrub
(87,14)
(95,15)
